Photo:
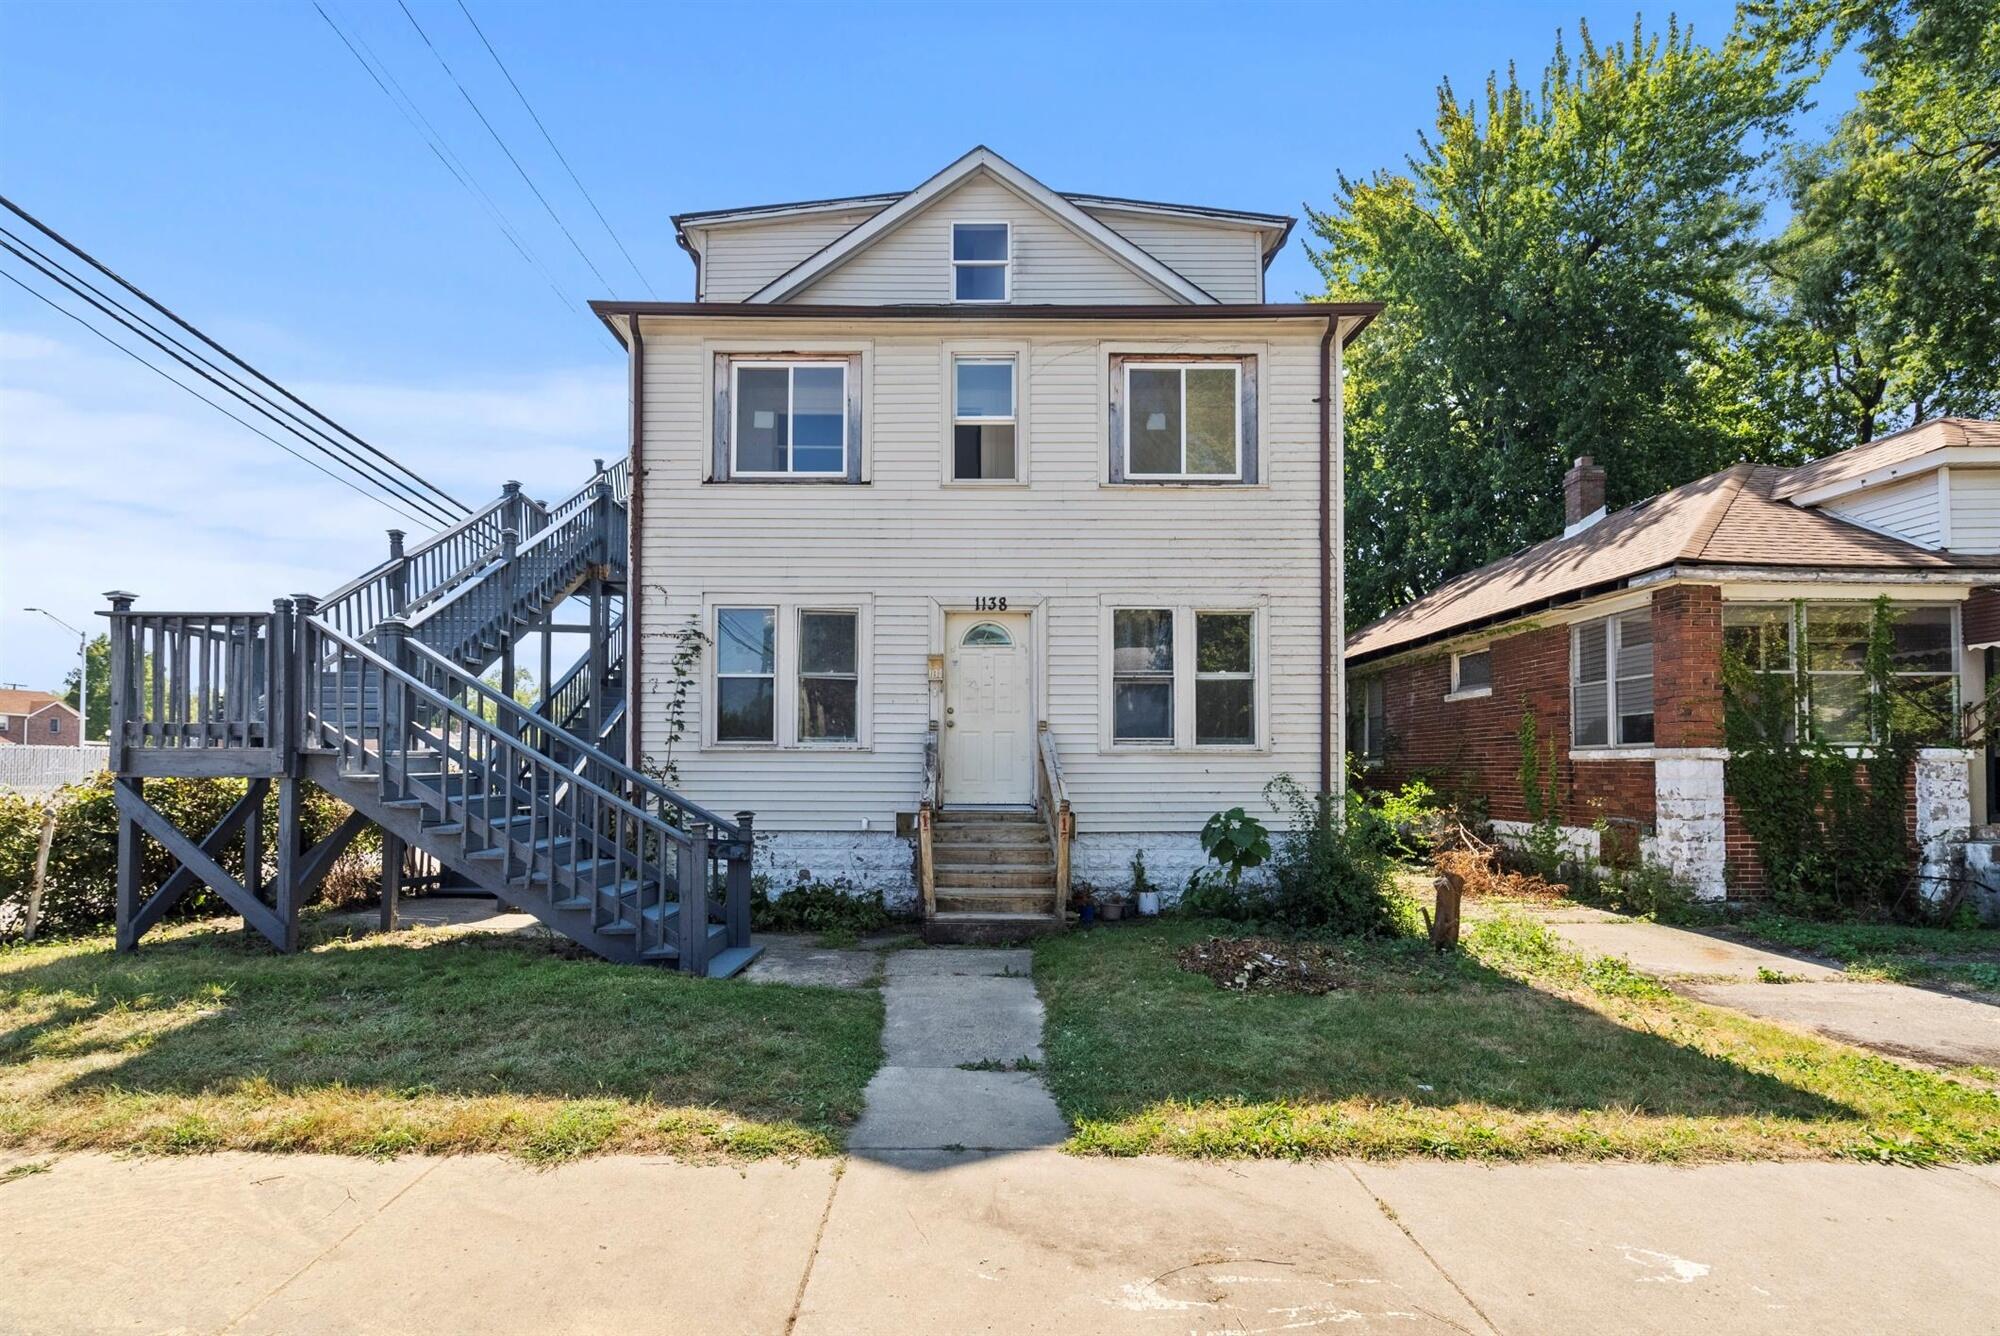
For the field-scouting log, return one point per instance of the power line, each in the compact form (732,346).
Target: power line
(344,482)
(441,150)
(616,240)
(74,285)
(450,502)
(550,208)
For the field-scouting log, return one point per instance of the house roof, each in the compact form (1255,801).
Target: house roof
(1877,456)
(15,700)
(1279,225)
(1731,518)
(980,161)
(614,314)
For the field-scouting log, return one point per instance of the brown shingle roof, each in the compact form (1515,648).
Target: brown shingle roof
(14,700)
(1920,440)
(1731,518)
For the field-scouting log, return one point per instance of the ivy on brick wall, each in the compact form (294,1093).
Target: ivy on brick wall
(1829,818)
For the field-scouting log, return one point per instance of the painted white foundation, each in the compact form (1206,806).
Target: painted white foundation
(1689,828)
(1104,859)
(872,860)
(1944,816)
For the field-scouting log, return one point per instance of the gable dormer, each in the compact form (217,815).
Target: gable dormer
(1936,485)
(981,232)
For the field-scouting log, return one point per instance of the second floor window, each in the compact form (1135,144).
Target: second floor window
(983,420)
(791,420)
(981,262)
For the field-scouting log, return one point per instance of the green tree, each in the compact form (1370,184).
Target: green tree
(97,717)
(1563,276)
(1883,291)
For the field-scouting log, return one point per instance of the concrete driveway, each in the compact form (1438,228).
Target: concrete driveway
(935,1242)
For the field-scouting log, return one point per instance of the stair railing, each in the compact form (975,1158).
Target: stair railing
(413,577)
(186,682)
(528,574)
(418,743)
(1052,798)
(570,695)
(927,824)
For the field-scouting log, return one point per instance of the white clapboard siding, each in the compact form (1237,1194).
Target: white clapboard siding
(1052,261)
(1975,510)
(739,258)
(903,539)
(1907,508)
(1225,262)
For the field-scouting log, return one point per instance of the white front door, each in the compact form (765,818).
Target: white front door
(989,723)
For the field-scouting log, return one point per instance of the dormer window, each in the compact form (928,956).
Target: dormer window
(981,256)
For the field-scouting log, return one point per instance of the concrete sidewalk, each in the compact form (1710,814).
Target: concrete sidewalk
(936,1242)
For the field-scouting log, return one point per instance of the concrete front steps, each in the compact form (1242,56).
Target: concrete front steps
(995,877)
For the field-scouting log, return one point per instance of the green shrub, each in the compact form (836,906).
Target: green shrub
(1644,890)
(1236,840)
(809,905)
(82,884)
(1327,875)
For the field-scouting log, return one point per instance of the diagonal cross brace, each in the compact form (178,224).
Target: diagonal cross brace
(183,880)
(197,861)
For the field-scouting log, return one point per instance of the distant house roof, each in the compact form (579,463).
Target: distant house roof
(14,700)
(1732,518)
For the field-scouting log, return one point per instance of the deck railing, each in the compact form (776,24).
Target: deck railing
(185,684)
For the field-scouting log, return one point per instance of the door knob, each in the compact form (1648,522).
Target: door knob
(951,723)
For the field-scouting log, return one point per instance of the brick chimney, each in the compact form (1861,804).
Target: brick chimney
(1583,494)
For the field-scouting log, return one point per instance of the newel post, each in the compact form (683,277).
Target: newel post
(399,575)
(391,642)
(510,548)
(693,917)
(125,675)
(736,909)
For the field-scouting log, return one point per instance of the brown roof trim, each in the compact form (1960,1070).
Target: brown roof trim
(608,311)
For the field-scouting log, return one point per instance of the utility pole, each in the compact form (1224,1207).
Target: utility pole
(82,673)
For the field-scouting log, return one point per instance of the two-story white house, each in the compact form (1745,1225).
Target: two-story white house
(994,530)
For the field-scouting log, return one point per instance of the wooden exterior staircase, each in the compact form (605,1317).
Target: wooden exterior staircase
(995,875)
(375,694)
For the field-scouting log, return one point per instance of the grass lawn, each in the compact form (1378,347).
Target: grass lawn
(1514,1048)
(1959,958)
(420,1040)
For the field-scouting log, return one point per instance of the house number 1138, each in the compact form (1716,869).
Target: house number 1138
(988,603)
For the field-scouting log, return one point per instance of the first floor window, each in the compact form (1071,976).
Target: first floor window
(791,420)
(829,676)
(1611,681)
(1830,692)
(983,420)
(1142,675)
(746,666)
(55,725)
(1182,421)
(1225,682)
(1366,718)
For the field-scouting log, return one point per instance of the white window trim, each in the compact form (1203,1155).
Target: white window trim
(1612,644)
(1372,751)
(1458,692)
(1184,610)
(1796,633)
(791,366)
(1006,266)
(713,629)
(1236,418)
(986,351)
(786,670)
(799,678)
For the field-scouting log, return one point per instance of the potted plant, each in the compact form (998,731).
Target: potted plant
(1143,890)
(1083,898)
(1111,906)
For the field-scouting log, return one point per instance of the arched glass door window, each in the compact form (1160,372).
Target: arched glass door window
(987,633)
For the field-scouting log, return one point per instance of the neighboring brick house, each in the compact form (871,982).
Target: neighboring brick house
(37,718)
(1612,636)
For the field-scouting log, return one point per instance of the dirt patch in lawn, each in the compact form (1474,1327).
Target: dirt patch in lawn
(1267,965)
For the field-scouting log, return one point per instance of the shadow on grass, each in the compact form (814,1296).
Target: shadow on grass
(414,1016)
(1129,1032)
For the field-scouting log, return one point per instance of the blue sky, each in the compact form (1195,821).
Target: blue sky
(237,161)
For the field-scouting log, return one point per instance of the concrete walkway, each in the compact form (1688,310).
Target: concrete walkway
(1914,1023)
(961,1042)
(1002,1243)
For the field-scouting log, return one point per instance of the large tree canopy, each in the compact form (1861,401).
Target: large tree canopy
(1883,293)
(1563,272)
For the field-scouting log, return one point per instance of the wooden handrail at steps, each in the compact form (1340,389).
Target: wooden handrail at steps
(1053,795)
